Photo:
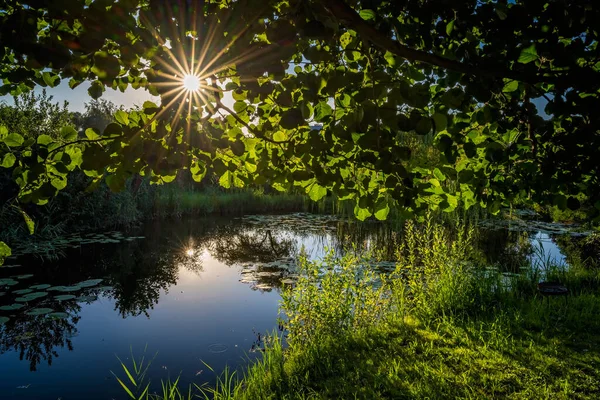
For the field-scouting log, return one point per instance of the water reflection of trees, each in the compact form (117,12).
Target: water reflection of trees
(37,338)
(251,245)
(510,250)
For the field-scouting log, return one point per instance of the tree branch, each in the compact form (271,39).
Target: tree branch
(352,20)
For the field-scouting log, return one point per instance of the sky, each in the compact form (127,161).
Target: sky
(79,96)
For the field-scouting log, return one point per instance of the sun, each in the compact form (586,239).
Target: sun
(191,83)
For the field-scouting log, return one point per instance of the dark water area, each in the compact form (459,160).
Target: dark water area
(185,292)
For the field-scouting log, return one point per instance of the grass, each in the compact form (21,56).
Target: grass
(171,201)
(438,327)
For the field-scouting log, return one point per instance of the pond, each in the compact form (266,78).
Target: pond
(183,292)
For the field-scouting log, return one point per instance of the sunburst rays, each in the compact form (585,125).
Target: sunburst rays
(187,76)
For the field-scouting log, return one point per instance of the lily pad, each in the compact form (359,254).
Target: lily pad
(12,307)
(87,299)
(31,296)
(40,287)
(64,297)
(8,282)
(65,288)
(4,320)
(23,291)
(89,283)
(58,315)
(104,288)
(25,276)
(39,311)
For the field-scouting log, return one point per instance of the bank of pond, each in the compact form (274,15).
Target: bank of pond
(304,306)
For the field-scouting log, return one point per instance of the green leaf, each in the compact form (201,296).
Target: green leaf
(511,86)
(50,79)
(316,192)
(8,160)
(29,222)
(361,213)
(440,121)
(280,136)
(4,252)
(92,134)
(44,140)
(106,66)
(39,311)
(322,111)
(292,119)
(225,179)
(68,133)
(122,117)
(528,55)
(239,106)
(149,108)
(13,140)
(198,171)
(423,126)
(439,175)
(390,58)
(449,27)
(113,129)
(382,210)
(116,181)
(452,203)
(96,89)
(367,14)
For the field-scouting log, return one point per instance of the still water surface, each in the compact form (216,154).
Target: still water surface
(188,291)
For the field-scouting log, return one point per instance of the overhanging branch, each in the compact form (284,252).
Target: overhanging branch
(347,16)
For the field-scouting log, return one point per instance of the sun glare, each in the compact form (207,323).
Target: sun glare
(191,83)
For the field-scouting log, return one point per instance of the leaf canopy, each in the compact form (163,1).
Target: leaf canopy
(327,94)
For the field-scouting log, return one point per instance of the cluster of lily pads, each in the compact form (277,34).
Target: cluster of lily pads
(70,241)
(269,275)
(31,301)
(266,276)
(297,221)
(533,226)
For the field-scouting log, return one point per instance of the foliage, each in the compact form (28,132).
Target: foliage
(439,269)
(33,115)
(363,72)
(98,114)
(334,297)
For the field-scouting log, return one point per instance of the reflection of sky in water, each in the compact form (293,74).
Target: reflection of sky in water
(200,310)
(545,251)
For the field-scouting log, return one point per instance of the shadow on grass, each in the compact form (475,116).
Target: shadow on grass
(529,349)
